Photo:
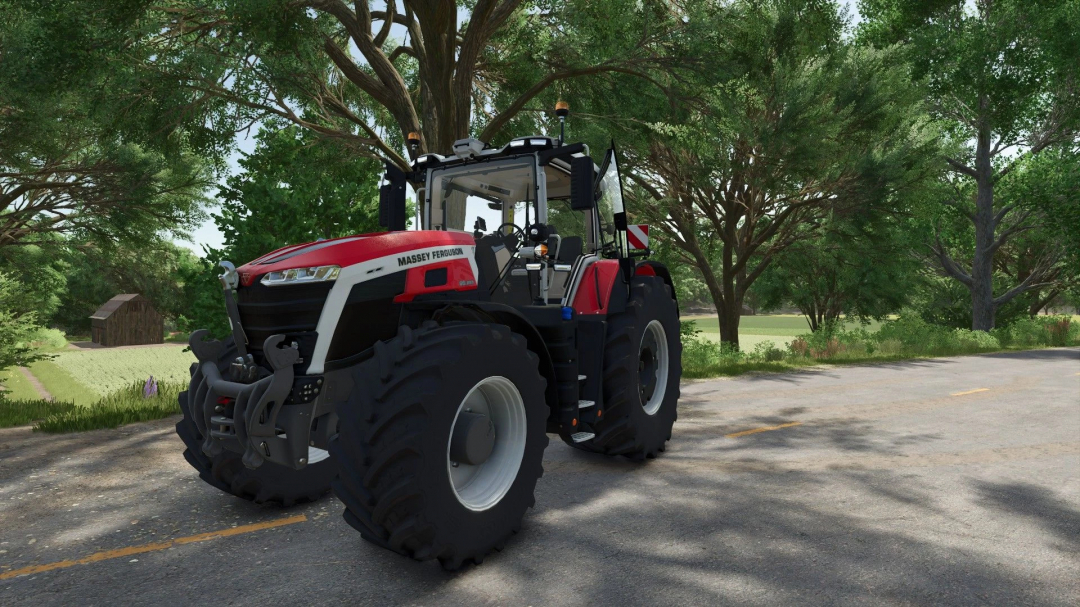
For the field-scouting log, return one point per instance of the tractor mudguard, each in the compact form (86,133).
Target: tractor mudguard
(486,311)
(655,268)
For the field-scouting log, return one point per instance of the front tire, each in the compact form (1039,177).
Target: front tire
(396,444)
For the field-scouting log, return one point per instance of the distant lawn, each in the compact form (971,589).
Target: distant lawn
(99,388)
(767,327)
(62,385)
(18,387)
(84,376)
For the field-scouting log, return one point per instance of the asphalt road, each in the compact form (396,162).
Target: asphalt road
(947,481)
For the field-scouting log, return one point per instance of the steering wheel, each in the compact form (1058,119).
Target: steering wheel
(518,232)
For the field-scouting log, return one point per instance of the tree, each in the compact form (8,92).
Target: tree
(1002,77)
(295,187)
(854,267)
(1047,186)
(84,149)
(16,329)
(805,129)
(369,77)
(41,274)
(95,273)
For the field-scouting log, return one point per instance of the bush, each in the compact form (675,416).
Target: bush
(903,337)
(767,351)
(17,328)
(1039,331)
(1063,331)
(49,339)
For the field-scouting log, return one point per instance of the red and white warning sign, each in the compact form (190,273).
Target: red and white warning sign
(638,236)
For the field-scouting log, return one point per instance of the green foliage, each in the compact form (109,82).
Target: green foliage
(942,301)
(95,274)
(767,352)
(1000,79)
(40,271)
(1039,331)
(124,406)
(49,340)
(908,336)
(17,328)
(19,412)
(858,267)
(295,188)
(789,125)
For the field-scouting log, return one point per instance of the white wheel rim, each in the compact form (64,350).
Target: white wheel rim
(654,339)
(482,486)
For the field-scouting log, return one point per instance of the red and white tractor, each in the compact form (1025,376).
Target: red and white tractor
(418,372)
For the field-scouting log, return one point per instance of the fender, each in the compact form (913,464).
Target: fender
(486,311)
(655,268)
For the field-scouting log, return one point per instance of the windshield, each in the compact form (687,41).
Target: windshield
(483,196)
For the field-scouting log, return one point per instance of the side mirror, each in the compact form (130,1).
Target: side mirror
(392,200)
(582,178)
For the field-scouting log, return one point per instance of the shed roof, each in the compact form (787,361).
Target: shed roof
(114,304)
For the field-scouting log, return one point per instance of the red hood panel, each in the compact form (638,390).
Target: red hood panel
(349,250)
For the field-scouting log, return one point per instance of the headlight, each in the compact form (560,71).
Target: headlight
(301,275)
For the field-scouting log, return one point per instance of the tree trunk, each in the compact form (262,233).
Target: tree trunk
(729,319)
(729,325)
(982,265)
(717,295)
(1041,302)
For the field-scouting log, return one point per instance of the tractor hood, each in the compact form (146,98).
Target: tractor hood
(350,250)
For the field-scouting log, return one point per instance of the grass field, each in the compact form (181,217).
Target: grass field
(62,385)
(99,388)
(17,386)
(87,375)
(778,329)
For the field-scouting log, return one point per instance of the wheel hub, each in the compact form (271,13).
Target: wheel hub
(486,443)
(473,439)
(653,367)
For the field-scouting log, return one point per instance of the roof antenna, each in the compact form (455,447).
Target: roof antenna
(562,110)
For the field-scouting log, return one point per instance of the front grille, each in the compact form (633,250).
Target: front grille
(285,309)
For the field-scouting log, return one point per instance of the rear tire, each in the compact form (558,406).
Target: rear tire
(393,444)
(640,405)
(269,483)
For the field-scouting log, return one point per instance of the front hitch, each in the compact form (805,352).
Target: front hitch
(251,418)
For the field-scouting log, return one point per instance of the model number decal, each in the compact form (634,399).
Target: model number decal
(408,260)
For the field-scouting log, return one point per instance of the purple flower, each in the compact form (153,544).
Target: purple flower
(150,387)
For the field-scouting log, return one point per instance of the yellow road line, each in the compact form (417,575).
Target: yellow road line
(765,429)
(130,550)
(970,391)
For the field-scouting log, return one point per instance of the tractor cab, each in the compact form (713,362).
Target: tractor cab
(536,208)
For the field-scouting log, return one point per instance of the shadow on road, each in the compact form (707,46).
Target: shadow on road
(1038,505)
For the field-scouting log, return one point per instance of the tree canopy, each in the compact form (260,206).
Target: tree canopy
(1002,80)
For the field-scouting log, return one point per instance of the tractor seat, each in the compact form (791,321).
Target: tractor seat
(492,254)
(570,249)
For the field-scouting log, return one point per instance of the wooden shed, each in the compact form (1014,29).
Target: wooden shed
(127,320)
